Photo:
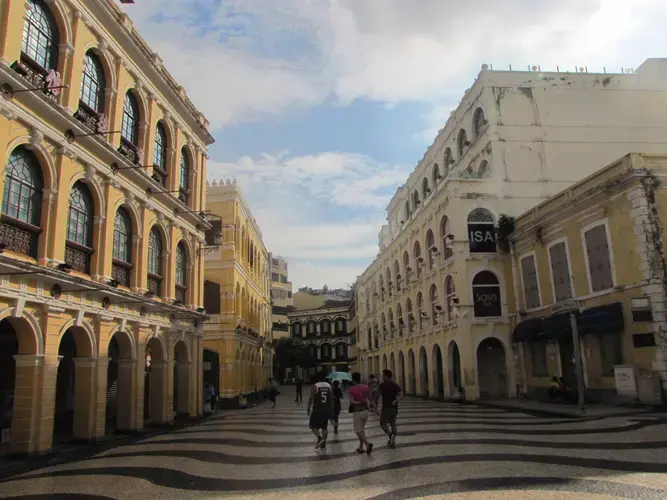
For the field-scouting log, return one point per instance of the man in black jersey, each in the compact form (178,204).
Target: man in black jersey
(321,401)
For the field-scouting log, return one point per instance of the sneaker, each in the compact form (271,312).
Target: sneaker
(392,441)
(369,448)
(323,446)
(360,450)
(319,443)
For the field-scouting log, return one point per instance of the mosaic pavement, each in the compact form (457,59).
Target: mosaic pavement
(443,451)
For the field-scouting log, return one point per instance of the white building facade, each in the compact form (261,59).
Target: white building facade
(435,306)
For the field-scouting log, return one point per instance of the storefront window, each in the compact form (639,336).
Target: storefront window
(538,351)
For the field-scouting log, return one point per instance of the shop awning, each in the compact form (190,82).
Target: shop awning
(528,330)
(603,319)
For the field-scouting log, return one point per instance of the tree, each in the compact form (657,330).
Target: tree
(291,353)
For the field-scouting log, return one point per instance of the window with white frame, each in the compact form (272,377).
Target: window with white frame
(599,258)
(560,272)
(531,291)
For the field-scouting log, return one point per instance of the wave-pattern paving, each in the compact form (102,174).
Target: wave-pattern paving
(443,451)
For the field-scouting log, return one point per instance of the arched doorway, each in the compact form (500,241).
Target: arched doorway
(454,364)
(438,372)
(155,382)
(75,371)
(120,376)
(423,372)
(412,376)
(211,362)
(384,365)
(491,369)
(401,371)
(181,396)
(9,347)
(392,365)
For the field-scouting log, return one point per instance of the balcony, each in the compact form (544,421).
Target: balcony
(78,257)
(159,175)
(181,293)
(96,123)
(155,284)
(19,236)
(121,271)
(130,151)
(38,77)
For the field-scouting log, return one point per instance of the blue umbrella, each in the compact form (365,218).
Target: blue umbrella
(340,376)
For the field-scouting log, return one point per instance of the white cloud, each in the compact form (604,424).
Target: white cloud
(304,204)
(243,60)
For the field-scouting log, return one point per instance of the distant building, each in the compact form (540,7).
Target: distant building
(281,296)
(309,298)
(326,333)
(238,357)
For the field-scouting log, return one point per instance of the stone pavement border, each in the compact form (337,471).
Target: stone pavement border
(12,466)
(542,409)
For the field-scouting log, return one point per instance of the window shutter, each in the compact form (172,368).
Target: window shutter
(530,288)
(560,272)
(599,260)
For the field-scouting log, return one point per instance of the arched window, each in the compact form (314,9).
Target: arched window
(388,279)
(431,249)
(325,327)
(392,325)
(478,122)
(462,142)
(448,161)
(436,174)
(129,129)
(407,269)
(419,260)
(415,199)
(181,273)
(184,178)
(92,83)
(407,210)
(155,262)
(340,326)
(296,329)
(484,170)
(420,309)
(425,189)
(408,312)
(325,351)
(160,156)
(341,351)
(122,248)
(382,288)
(311,326)
(450,297)
(79,228)
(22,202)
(435,307)
(486,295)
(397,275)
(40,36)
(383,322)
(399,318)
(481,231)
(446,238)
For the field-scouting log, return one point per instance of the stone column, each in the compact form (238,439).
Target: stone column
(45,250)
(29,395)
(183,387)
(158,398)
(85,402)
(126,417)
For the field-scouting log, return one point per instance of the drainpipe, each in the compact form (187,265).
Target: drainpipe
(517,308)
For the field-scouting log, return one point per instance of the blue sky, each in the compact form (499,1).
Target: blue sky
(321,108)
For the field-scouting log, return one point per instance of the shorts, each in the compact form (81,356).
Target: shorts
(319,421)
(388,415)
(359,419)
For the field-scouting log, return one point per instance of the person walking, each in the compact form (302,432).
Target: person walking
(373,384)
(299,395)
(391,394)
(321,402)
(360,401)
(337,396)
(272,388)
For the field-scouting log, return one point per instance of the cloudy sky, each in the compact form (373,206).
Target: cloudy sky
(320,108)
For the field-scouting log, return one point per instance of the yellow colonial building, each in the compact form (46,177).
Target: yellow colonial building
(238,358)
(104,161)
(600,242)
